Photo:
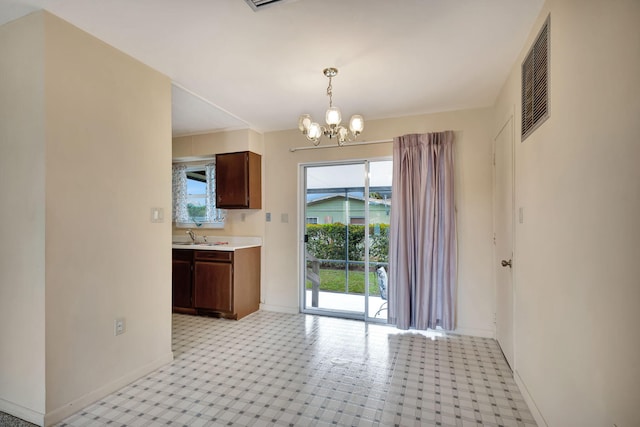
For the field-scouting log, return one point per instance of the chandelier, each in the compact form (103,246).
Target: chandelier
(313,131)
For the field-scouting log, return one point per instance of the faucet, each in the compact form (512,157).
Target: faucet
(192,235)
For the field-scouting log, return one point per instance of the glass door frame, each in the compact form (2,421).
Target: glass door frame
(302,208)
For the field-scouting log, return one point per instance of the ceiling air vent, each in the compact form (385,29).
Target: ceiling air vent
(256,5)
(535,83)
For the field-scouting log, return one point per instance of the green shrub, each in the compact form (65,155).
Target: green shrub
(329,242)
(196,211)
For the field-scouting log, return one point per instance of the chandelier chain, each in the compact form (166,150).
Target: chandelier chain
(330,93)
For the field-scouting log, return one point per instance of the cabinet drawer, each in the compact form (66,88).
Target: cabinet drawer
(182,254)
(214,255)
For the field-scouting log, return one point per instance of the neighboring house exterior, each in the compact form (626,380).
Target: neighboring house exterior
(347,210)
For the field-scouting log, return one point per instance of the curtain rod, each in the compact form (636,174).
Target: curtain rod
(317,147)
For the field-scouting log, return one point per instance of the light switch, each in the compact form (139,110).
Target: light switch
(284,217)
(268,216)
(157,215)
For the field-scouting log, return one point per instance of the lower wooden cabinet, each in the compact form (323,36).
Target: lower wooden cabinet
(213,280)
(222,282)
(182,281)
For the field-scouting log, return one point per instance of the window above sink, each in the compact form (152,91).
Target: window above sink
(194,196)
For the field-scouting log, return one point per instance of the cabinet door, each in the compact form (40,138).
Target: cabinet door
(238,180)
(232,184)
(181,283)
(213,285)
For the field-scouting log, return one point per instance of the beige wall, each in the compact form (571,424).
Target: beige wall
(577,286)
(280,287)
(203,145)
(89,148)
(22,219)
(108,137)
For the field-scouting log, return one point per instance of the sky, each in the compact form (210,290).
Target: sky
(351,175)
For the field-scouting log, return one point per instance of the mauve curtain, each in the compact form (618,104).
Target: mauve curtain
(422,247)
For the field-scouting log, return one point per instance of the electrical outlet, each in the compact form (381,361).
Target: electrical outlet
(119,326)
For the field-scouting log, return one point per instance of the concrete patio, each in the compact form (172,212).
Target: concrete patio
(348,302)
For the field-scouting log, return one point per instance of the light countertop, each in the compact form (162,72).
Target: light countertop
(215,243)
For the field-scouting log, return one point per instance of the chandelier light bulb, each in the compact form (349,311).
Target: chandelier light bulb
(343,134)
(356,124)
(304,122)
(333,117)
(315,131)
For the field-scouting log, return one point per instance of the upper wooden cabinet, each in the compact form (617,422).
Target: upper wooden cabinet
(239,180)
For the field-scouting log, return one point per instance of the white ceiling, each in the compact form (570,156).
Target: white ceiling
(235,68)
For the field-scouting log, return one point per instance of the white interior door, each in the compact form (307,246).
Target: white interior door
(503,225)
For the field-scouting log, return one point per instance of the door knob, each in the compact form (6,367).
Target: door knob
(506,263)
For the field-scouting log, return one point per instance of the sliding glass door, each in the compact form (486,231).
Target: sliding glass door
(379,203)
(346,212)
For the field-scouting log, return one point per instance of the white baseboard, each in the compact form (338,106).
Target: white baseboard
(70,408)
(280,308)
(529,400)
(475,332)
(21,412)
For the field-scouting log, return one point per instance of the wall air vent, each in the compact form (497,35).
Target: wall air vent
(257,5)
(535,83)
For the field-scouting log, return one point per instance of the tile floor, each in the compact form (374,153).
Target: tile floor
(301,370)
